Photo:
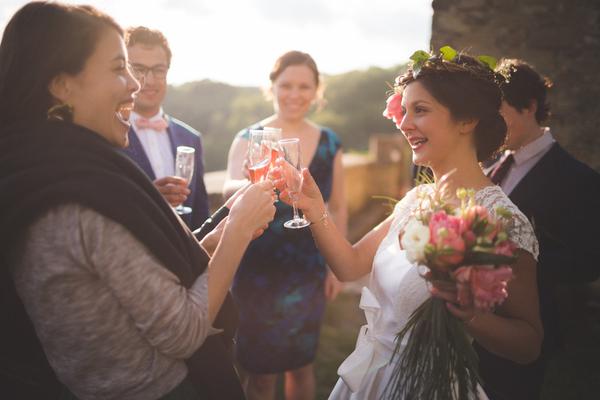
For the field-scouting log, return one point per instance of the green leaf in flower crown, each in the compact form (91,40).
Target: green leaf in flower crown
(420,56)
(448,53)
(490,61)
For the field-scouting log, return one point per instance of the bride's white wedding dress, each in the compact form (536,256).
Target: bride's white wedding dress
(395,290)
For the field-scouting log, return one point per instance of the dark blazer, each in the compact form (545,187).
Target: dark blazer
(180,134)
(561,198)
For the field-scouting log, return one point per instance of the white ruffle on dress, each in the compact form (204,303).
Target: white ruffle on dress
(395,290)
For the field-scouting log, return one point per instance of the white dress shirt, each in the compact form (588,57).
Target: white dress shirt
(525,158)
(157,146)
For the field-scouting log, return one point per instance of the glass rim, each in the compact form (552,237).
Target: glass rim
(289,140)
(272,129)
(185,149)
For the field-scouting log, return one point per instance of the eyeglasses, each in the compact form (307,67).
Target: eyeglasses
(141,71)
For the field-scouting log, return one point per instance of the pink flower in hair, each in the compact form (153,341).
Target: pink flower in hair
(393,109)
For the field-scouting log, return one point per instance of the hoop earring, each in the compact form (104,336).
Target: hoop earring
(60,112)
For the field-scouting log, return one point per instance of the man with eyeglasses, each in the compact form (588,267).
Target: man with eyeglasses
(154,136)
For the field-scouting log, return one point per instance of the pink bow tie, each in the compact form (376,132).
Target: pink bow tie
(158,125)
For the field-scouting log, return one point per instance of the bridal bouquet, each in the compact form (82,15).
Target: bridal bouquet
(466,247)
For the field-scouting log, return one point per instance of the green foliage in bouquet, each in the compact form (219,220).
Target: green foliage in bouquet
(439,369)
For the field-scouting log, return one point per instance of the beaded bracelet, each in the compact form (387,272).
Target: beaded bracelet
(323,219)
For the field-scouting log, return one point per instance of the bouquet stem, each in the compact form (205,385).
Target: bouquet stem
(438,361)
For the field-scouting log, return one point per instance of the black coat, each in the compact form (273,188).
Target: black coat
(47,164)
(561,198)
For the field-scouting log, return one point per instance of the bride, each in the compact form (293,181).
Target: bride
(450,117)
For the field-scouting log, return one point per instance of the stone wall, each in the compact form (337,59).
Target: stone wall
(560,38)
(383,172)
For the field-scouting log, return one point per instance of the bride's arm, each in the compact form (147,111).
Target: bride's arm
(348,262)
(515,331)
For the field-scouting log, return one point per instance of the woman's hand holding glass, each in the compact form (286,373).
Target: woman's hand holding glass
(259,156)
(212,239)
(263,151)
(308,198)
(253,209)
(230,201)
(292,173)
(184,168)
(174,189)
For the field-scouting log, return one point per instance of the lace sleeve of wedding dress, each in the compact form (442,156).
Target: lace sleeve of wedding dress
(520,229)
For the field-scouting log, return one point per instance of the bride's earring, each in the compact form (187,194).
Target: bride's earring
(60,112)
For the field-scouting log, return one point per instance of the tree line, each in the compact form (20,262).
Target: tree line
(354,103)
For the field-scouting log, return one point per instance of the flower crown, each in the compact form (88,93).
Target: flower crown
(446,53)
(447,59)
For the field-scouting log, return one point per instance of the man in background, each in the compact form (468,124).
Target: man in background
(154,136)
(560,196)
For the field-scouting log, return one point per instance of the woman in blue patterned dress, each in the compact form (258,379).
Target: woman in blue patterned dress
(282,283)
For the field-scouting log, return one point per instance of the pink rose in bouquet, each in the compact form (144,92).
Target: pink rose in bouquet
(393,109)
(482,286)
(446,238)
(474,214)
(505,248)
(488,286)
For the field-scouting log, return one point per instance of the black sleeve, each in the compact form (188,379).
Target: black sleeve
(211,223)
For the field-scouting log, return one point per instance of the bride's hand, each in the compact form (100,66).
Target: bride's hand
(448,291)
(309,200)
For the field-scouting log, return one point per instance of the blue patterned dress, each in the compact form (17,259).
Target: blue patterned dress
(279,287)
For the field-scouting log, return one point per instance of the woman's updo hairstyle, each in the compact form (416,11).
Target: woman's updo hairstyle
(468,88)
(294,57)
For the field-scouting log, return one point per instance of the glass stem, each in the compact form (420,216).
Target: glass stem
(296,216)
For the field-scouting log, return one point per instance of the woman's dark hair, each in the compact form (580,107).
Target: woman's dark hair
(41,41)
(148,37)
(521,84)
(469,90)
(294,58)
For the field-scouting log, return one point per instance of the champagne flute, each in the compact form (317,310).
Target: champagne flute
(259,156)
(272,136)
(184,168)
(291,171)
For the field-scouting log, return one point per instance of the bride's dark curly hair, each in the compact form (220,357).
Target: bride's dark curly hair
(469,89)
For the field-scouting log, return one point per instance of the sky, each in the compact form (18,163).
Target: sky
(237,41)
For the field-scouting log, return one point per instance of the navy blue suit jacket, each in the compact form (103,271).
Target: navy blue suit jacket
(560,196)
(180,134)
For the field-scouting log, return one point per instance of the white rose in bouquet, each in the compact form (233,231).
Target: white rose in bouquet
(414,240)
